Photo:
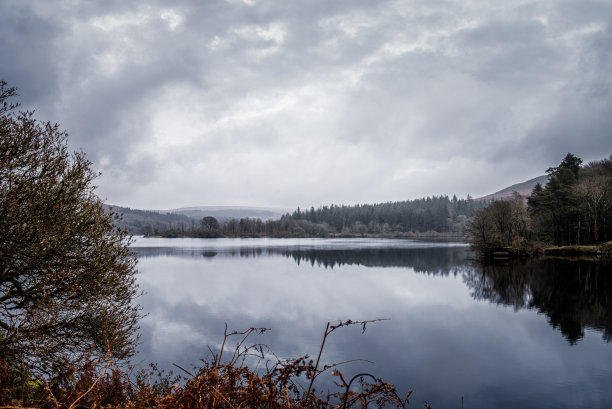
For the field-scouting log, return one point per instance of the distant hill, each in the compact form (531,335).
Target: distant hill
(147,221)
(229,212)
(138,221)
(524,189)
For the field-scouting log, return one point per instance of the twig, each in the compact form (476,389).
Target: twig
(349,385)
(222,344)
(314,373)
(184,370)
(328,330)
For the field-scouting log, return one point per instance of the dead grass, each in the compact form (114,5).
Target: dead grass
(245,376)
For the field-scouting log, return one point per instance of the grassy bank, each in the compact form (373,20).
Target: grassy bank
(602,250)
(528,249)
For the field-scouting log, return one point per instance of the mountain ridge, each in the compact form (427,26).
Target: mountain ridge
(230,212)
(523,188)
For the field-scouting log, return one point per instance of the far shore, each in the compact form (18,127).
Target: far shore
(389,235)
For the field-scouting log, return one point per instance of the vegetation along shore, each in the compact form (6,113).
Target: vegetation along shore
(570,216)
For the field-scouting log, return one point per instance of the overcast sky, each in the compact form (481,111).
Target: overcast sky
(303,103)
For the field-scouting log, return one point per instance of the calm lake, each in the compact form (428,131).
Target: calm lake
(535,334)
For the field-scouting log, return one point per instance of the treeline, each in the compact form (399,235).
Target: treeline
(437,214)
(573,208)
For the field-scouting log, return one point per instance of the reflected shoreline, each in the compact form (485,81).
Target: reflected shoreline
(436,260)
(573,294)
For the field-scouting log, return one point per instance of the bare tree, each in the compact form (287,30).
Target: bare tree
(67,275)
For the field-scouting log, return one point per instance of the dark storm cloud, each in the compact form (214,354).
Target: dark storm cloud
(356,100)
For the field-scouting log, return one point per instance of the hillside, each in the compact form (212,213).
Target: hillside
(223,213)
(524,189)
(147,221)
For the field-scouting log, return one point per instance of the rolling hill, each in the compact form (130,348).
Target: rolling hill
(230,212)
(139,222)
(524,189)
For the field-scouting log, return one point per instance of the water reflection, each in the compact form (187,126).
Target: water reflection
(443,340)
(438,260)
(441,260)
(574,295)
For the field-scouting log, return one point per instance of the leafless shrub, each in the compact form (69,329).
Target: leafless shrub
(245,376)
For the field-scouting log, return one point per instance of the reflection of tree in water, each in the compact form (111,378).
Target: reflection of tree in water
(574,295)
(437,261)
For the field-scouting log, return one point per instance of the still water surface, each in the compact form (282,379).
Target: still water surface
(534,334)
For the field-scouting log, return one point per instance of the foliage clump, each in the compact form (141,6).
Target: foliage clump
(67,275)
(252,377)
(574,208)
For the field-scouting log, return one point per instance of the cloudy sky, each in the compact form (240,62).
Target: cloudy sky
(298,103)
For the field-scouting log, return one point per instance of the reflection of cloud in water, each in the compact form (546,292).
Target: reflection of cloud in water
(151,247)
(428,257)
(441,342)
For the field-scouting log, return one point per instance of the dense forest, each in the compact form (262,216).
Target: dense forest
(433,215)
(573,208)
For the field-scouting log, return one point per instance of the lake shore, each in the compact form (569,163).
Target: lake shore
(603,250)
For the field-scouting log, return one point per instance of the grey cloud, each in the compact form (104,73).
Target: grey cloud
(578,126)
(582,122)
(294,84)
(519,53)
(29,61)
